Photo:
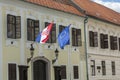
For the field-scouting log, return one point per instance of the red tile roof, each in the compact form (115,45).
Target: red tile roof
(92,9)
(54,4)
(98,11)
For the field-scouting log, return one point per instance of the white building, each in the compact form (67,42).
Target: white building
(102,36)
(20,22)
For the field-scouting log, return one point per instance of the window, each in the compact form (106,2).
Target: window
(32,29)
(13,26)
(61,27)
(12,72)
(103,68)
(119,44)
(93,39)
(76,74)
(113,67)
(52,37)
(113,42)
(92,67)
(104,41)
(63,72)
(76,37)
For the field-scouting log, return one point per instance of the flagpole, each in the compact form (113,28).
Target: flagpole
(69,61)
(69,53)
(40,50)
(64,39)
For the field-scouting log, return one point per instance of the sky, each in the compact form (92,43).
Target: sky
(113,4)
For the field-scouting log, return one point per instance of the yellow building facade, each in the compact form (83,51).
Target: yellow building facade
(14,53)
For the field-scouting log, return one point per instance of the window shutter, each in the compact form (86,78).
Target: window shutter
(113,67)
(95,39)
(9,72)
(36,28)
(115,43)
(61,27)
(46,24)
(102,40)
(76,42)
(53,33)
(79,40)
(30,30)
(12,71)
(119,44)
(8,26)
(93,68)
(76,74)
(91,40)
(73,36)
(105,41)
(103,68)
(63,72)
(18,27)
(111,43)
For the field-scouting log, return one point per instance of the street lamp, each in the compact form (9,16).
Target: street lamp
(31,53)
(56,56)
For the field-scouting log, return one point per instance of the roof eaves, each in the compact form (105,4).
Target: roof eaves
(87,13)
(103,20)
(53,8)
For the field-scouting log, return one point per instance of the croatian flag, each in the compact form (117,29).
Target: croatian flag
(44,35)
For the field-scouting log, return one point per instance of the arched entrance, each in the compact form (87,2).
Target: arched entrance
(41,69)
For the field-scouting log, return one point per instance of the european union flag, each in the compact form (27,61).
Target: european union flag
(64,37)
(38,37)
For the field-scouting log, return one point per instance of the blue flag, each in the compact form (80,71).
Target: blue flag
(38,37)
(64,37)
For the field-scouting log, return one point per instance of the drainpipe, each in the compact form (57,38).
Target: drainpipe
(85,22)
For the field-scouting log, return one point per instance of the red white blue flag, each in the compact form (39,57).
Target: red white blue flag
(45,33)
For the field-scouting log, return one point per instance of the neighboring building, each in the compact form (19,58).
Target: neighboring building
(20,23)
(102,41)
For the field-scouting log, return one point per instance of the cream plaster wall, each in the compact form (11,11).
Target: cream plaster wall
(1,50)
(18,52)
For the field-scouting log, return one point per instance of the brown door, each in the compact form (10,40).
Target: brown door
(57,73)
(23,72)
(39,70)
